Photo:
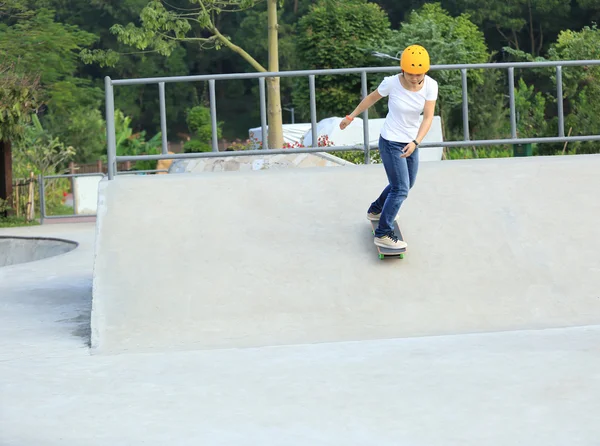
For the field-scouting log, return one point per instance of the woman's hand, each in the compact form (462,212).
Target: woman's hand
(345,122)
(408,149)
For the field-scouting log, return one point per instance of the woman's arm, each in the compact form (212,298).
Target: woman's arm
(364,105)
(428,111)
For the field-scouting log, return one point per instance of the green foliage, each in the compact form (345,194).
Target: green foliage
(48,36)
(489,112)
(15,9)
(50,48)
(14,222)
(44,46)
(581,85)
(133,144)
(41,152)
(199,124)
(581,45)
(530,107)
(479,152)
(521,23)
(84,130)
(161,30)
(337,35)
(449,40)
(19,99)
(581,90)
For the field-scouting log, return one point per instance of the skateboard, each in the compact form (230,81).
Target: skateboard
(387,252)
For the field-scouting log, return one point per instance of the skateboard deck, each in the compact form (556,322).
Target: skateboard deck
(387,252)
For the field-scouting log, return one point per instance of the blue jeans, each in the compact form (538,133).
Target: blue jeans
(401,173)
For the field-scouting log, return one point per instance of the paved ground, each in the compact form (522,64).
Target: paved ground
(530,387)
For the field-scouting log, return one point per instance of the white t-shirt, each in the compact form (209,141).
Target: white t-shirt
(405,107)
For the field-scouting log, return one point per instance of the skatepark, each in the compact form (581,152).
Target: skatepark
(251,308)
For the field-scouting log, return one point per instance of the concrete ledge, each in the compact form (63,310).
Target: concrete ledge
(236,259)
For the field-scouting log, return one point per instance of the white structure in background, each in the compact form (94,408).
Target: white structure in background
(353,135)
(292,133)
(86,194)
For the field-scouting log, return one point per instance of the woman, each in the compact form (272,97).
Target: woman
(410,93)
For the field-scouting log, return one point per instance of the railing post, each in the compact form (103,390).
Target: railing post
(72,172)
(559,99)
(163,117)
(213,115)
(111,137)
(42,198)
(263,112)
(366,138)
(511,96)
(465,104)
(313,109)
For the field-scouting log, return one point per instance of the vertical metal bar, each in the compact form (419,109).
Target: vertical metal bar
(465,104)
(263,112)
(366,139)
(213,115)
(163,117)
(313,109)
(559,99)
(73,179)
(42,198)
(111,137)
(511,95)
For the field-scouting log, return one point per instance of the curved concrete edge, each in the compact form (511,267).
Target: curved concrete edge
(34,251)
(98,313)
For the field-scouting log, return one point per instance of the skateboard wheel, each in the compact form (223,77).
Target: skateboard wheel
(381,256)
(401,256)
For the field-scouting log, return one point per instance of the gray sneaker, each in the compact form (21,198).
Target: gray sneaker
(390,241)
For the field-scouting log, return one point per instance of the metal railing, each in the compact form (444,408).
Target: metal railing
(72,176)
(366,146)
(42,186)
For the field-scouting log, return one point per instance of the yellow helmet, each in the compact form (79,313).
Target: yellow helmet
(415,60)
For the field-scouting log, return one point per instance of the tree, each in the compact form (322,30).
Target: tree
(42,152)
(337,35)
(18,101)
(199,123)
(13,8)
(581,85)
(42,45)
(163,27)
(520,21)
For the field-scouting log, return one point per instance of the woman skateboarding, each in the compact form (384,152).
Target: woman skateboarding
(410,93)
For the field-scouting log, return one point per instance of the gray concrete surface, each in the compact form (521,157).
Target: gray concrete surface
(535,388)
(245,259)
(15,250)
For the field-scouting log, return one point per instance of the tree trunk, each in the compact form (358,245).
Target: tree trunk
(531,36)
(274,97)
(6,189)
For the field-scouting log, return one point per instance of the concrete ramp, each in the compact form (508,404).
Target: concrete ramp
(239,259)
